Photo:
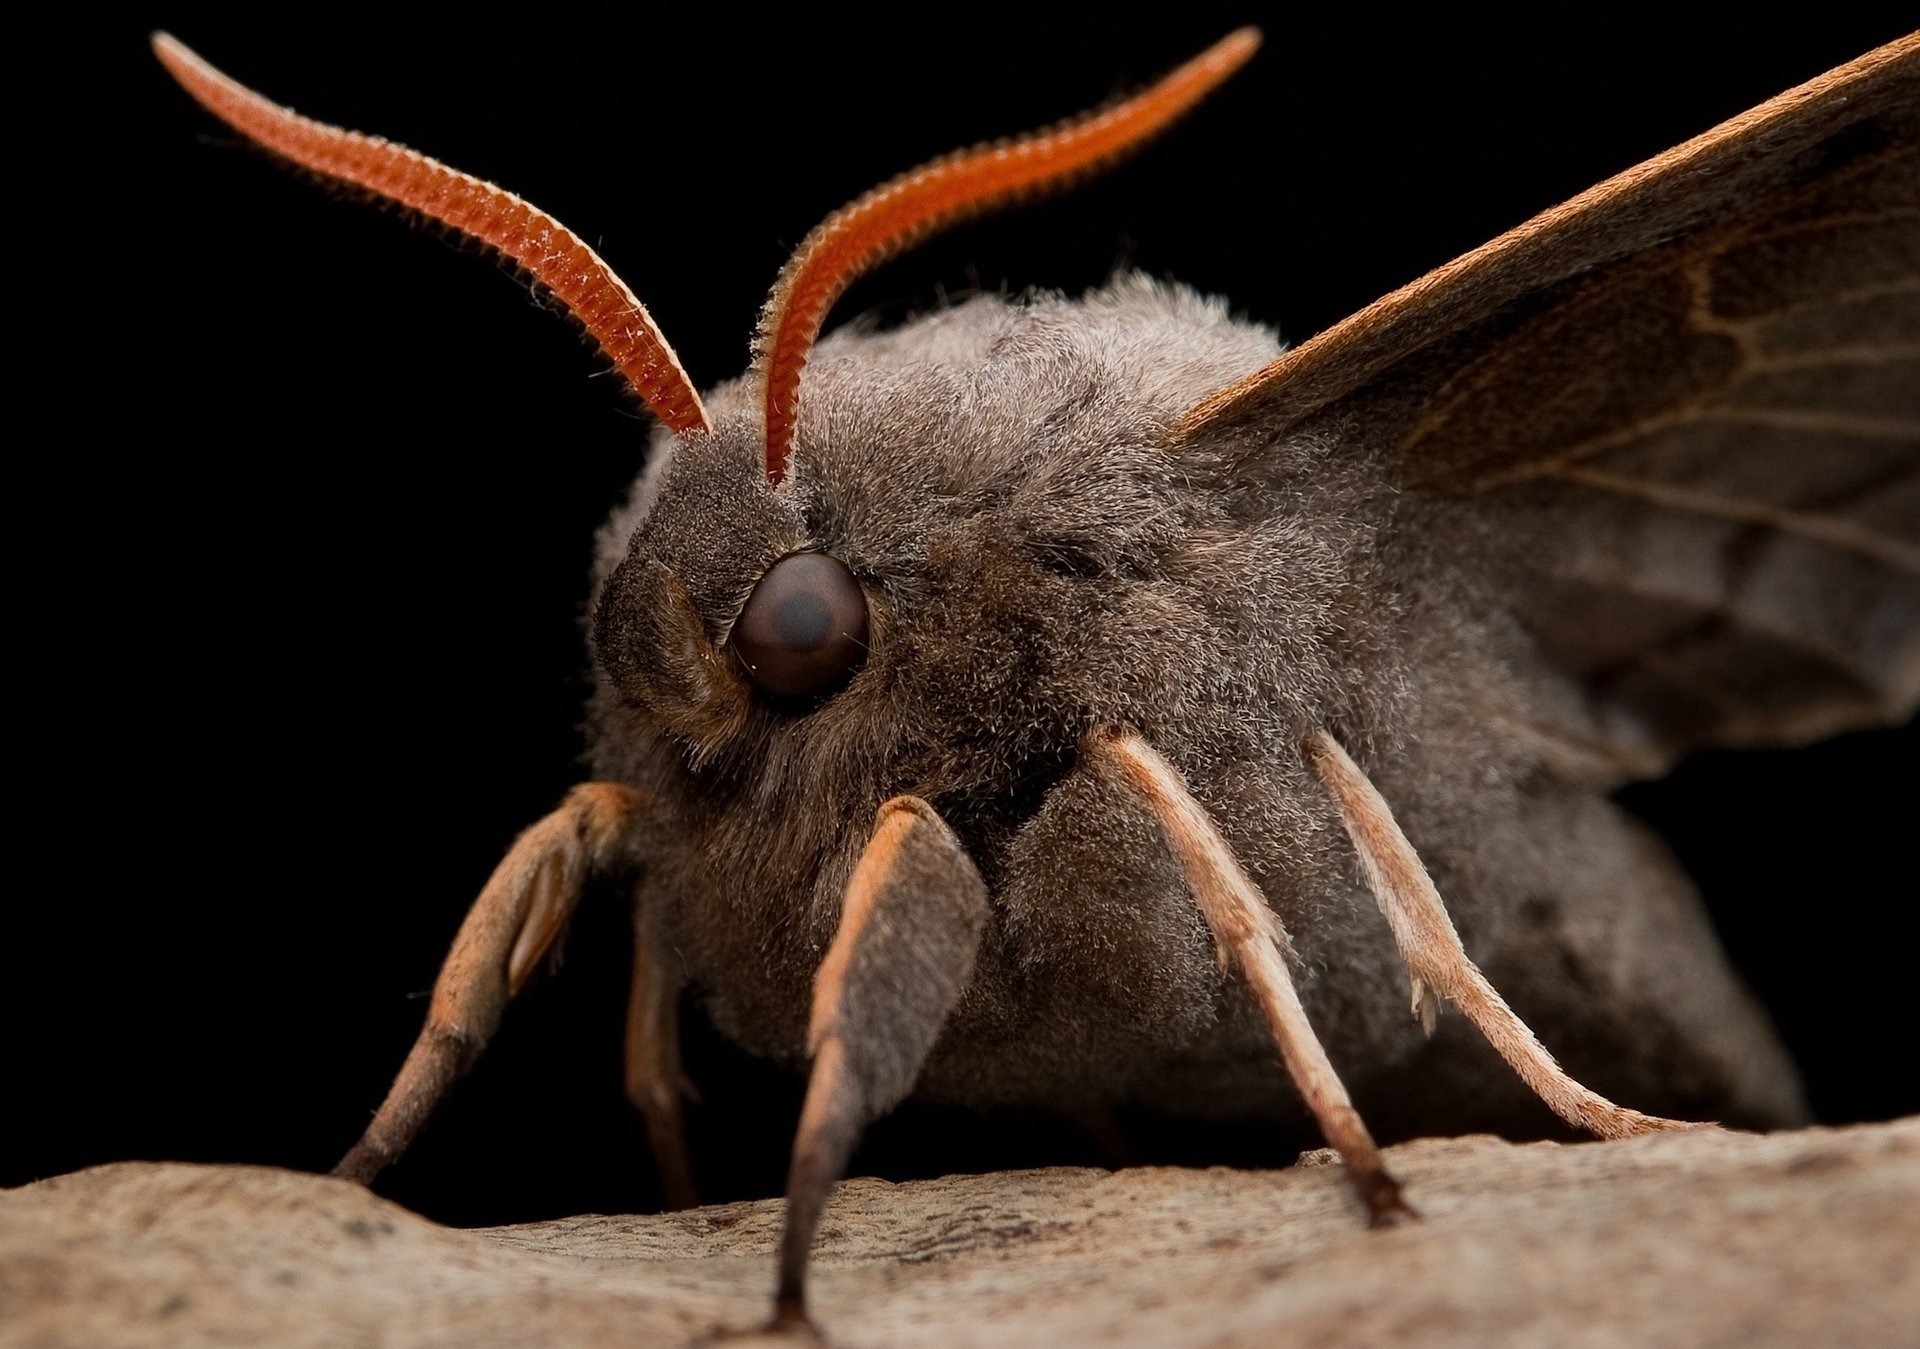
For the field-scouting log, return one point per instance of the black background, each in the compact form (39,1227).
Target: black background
(303,501)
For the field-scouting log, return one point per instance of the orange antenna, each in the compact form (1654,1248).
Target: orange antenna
(552,254)
(899,214)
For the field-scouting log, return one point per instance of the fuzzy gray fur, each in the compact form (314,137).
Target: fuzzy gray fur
(1039,560)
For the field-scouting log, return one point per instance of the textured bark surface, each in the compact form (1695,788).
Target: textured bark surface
(1694,1239)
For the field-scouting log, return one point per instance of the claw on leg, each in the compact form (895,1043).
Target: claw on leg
(1249,934)
(523,909)
(909,930)
(1436,961)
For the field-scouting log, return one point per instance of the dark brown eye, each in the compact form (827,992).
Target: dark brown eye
(804,630)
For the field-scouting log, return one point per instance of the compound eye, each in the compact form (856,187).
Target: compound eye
(804,630)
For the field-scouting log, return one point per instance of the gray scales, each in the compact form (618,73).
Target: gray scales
(1129,520)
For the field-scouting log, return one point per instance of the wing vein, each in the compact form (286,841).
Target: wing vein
(1842,534)
(1817,359)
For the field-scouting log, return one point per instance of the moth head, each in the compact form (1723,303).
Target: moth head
(961,488)
(759,550)
(791,520)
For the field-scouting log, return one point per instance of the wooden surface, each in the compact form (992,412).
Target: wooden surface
(1688,1239)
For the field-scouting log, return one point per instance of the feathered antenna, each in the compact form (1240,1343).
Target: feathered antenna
(957,187)
(552,254)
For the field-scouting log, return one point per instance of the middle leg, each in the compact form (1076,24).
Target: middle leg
(655,1082)
(1248,933)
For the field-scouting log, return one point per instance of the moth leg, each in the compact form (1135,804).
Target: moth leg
(1249,933)
(1439,965)
(909,930)
(524,907)
(655,1083)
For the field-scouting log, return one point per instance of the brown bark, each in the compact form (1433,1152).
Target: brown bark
(1696,1239)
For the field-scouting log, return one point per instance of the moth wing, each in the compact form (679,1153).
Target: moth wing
(1682,414)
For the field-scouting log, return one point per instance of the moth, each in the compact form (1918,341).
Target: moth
(1071,703)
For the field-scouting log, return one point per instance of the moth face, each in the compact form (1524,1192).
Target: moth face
(991,490)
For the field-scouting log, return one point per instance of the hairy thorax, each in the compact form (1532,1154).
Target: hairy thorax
(1040,557)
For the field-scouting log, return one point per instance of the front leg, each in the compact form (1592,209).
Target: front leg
(909,930)
(600,827)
